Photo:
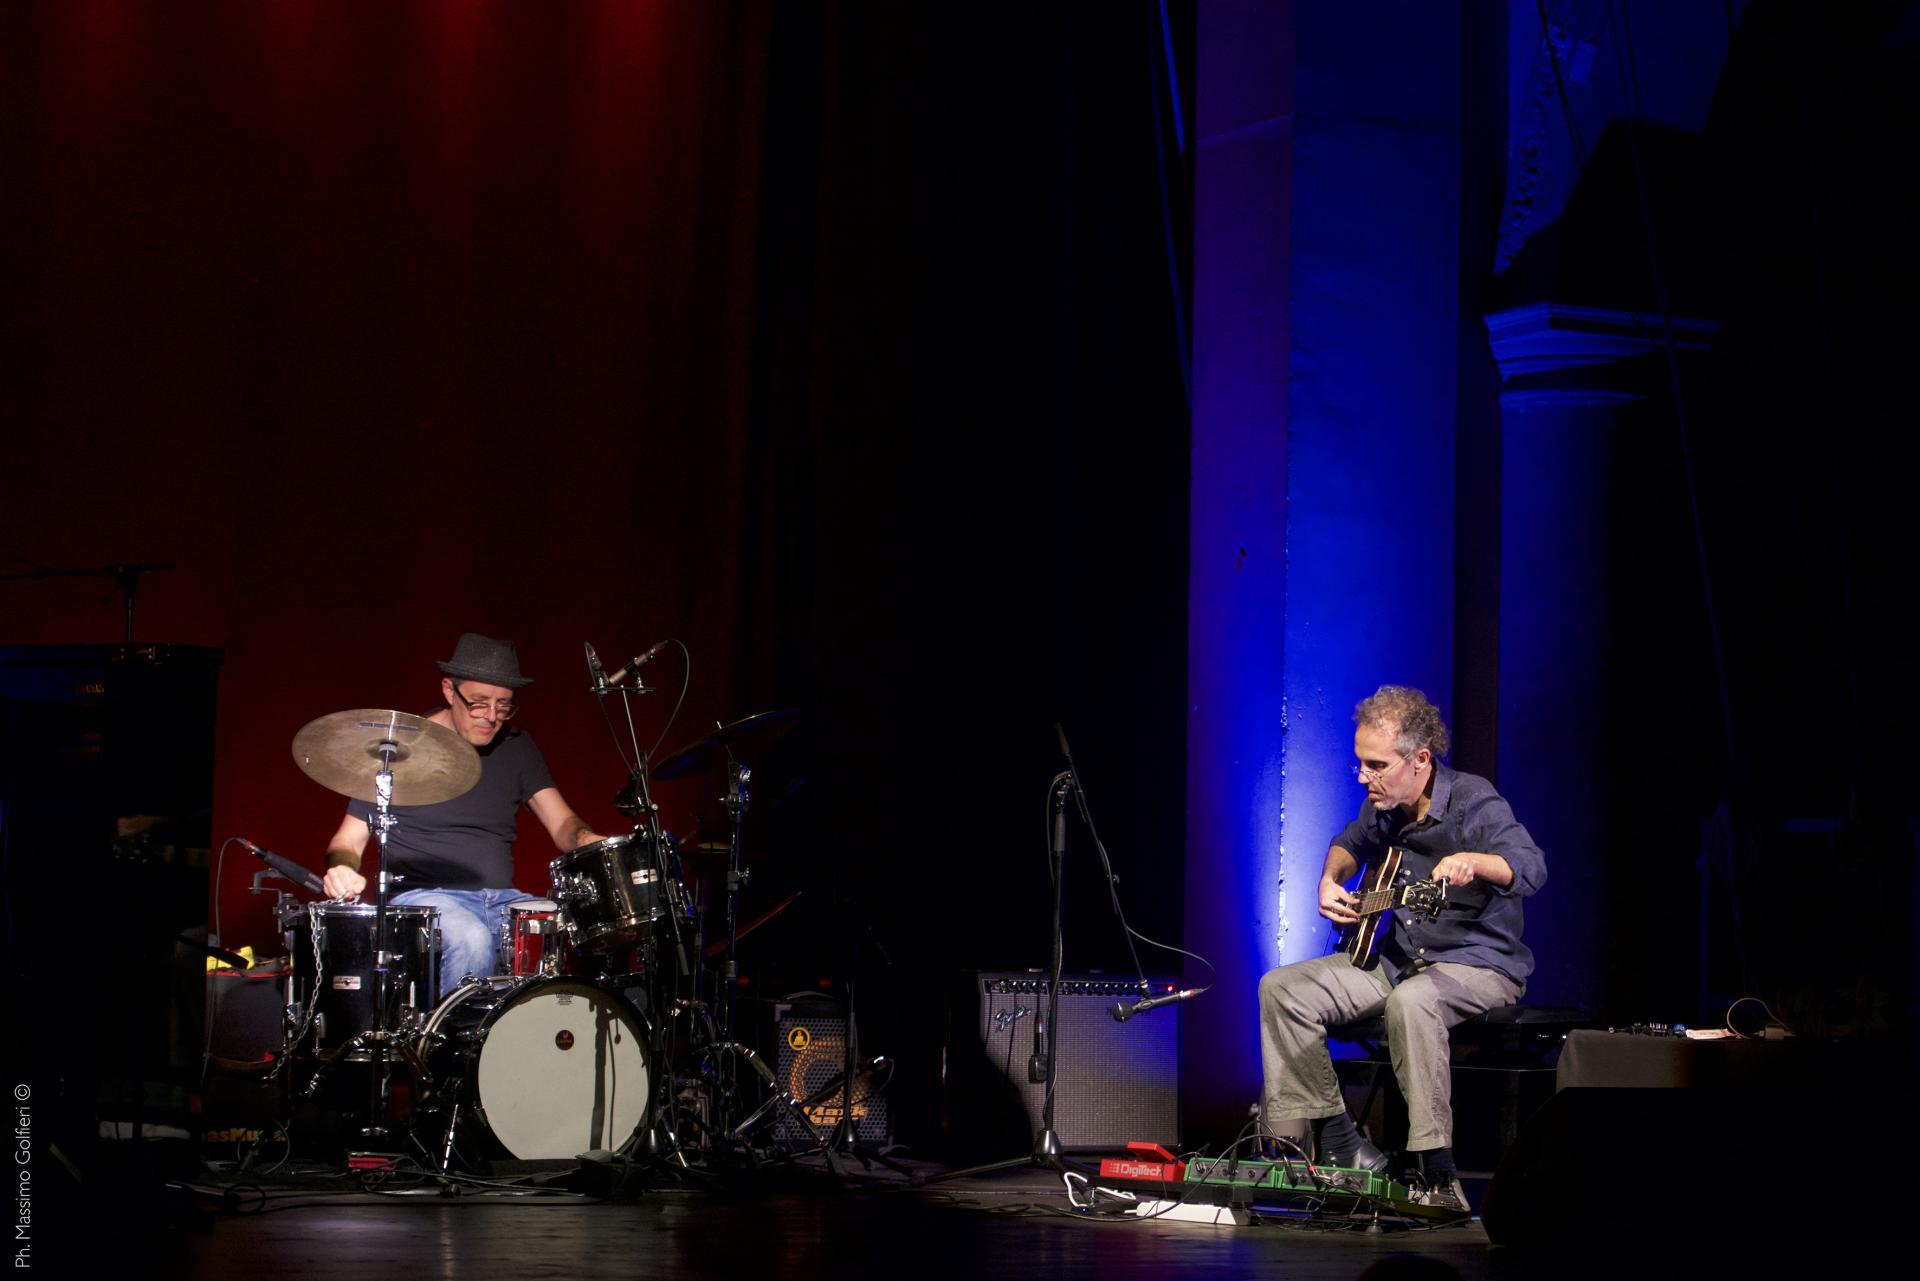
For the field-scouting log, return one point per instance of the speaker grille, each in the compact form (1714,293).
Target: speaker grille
(812,1053)
(1113,1082)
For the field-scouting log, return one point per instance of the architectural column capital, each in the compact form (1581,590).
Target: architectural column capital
(1560,353)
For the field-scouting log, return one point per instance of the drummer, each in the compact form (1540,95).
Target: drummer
(457,855)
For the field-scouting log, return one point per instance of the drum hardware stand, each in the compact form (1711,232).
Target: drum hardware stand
(735,803)
(1045,1063)
(636,801)
(779,1099)
(383,823)
(845,1140)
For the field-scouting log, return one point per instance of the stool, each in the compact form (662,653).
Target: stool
(1513,1040)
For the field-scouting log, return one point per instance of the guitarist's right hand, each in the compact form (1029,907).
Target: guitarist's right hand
(1335,903)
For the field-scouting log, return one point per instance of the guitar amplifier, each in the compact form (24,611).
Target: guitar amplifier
(1114,1082)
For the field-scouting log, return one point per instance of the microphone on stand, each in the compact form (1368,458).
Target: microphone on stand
(1037,1065)
(302,876)
(1062,784)
(594,670)
(1122,1011)
(633,666)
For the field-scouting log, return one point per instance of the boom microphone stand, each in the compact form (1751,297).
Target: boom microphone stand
(1044,1065)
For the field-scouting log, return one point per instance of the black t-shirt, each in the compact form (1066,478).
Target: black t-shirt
(466,843)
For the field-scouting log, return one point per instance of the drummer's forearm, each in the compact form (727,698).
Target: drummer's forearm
(571,832)
(337,857)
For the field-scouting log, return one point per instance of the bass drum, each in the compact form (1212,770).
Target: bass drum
(551,1067)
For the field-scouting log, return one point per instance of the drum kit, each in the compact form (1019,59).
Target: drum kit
(596,1035)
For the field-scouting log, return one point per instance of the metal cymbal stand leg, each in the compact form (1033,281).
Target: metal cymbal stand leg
(779,1099)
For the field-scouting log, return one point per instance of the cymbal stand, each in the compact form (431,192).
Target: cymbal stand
(384,821)
(735,803)
(723,1071)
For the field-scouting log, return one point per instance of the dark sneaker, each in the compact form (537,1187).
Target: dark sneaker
(1446,1195)
(1364,1157)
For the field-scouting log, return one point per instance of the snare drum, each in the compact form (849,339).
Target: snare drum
(551,1067)
(330,977)
(610,892)
(533,941)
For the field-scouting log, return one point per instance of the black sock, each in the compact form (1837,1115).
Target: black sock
(1335,1139)
(1437,1165)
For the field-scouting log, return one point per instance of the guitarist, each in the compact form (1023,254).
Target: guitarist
(1429,974)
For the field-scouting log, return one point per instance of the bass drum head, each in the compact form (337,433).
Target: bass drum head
(563,1069)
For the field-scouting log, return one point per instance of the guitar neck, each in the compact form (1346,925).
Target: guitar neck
(1381,891)
(1374,902)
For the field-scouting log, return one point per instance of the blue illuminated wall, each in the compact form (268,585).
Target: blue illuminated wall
(1325,348)
(1236,643)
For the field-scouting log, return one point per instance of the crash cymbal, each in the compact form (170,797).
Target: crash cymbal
(341,752)
(746,737)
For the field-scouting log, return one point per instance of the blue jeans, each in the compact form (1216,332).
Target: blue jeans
(472,923)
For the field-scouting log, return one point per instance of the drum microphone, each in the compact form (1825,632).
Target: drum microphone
(633,666)
(301,876)
(594,670)
(1122,1011)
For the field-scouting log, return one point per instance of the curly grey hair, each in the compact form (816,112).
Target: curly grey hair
(1414,722)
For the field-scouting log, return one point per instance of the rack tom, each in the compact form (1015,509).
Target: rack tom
(610,893)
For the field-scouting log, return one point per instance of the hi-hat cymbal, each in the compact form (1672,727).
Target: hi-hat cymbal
(341,752)
(745,737)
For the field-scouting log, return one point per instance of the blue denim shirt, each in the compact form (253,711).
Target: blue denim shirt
(1464,813)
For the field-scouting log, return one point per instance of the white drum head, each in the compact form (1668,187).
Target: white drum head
(563,1068)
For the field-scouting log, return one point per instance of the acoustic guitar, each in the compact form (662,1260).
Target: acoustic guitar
(1386,885)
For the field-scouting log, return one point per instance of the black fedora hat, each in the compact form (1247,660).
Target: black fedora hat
(484,659)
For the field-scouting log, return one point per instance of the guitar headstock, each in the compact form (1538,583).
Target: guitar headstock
(1425,898)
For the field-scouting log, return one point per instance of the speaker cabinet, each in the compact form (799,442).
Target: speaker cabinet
(1114,1081)
(811,1064)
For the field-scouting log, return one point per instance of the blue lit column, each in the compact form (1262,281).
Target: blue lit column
(1236,616)
(1325,349)
(1566,372)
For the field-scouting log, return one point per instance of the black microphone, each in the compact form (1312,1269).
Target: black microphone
(597,672)
(1037,1065)
(1122,1012)
(299,875)
(1061,786)
(634,665)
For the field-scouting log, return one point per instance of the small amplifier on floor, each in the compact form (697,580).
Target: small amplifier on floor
(811,1064)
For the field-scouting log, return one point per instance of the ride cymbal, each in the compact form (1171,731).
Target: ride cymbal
(747,736)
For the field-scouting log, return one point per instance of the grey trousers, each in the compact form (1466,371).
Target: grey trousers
(1298,1002)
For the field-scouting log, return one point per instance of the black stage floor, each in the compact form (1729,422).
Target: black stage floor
(791,1222)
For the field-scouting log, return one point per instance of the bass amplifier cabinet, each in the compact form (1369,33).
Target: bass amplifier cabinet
(811,1064)
(1114,1082)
